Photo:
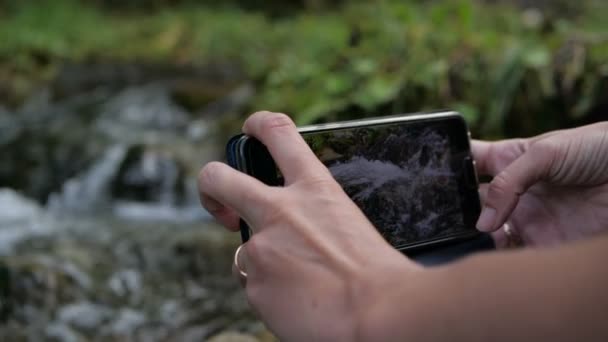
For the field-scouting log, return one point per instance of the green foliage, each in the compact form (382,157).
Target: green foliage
(491,62)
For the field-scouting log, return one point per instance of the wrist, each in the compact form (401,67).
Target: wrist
(385,297)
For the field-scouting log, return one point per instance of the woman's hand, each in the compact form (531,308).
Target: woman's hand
(549,189)
(314,257)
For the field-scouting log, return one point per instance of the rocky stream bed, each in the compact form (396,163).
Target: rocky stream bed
(102,237)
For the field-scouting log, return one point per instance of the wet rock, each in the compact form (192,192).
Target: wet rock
(129,254)
(138,111)
(44,147)
(205,252)
(149,175)
(125,324)
(233,337)
(266,336)
(194,95)
(33,287)
(20,218)
(151,332)
(194,291)
(233,102)
(126,283)
(12,331)
(196,333)
(183,313)
(79,278)
(198,130)
(85,315)
(172,313)
(9,126)
(62,333)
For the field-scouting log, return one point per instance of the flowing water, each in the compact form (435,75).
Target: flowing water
(102,236)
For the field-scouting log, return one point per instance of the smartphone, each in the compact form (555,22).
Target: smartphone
(413,176)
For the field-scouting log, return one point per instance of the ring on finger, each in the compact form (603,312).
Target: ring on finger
(236,262)
(514,240)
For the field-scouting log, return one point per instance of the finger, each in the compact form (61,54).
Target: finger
(493,157)
(287,147)
(225,215)
(483,192)
(247,196)
(504,190)
(504,240)
(500,239)
(237,275)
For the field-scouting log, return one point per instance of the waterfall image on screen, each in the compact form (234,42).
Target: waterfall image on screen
(399,175)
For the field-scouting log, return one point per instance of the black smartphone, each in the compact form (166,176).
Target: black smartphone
(413,176)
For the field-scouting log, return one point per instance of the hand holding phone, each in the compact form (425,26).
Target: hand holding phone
(312,251)
(318,270)
(412,176)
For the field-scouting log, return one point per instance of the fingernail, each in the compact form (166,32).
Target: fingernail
(486,219)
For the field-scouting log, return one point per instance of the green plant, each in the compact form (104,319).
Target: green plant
(500,68)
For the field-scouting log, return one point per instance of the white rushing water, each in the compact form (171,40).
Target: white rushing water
(20,218)
(370,174)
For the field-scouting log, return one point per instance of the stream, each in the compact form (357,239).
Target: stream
(102,237)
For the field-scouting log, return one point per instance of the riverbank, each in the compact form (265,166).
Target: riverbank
(96,278)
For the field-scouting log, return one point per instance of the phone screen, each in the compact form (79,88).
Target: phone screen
(407,177)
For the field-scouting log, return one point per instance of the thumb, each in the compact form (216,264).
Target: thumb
(505,189)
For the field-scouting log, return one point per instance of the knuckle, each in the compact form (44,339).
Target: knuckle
(548,154)
(546,148)
(323,185)
(277,212)
(499,185)
(263,200)
(521,145)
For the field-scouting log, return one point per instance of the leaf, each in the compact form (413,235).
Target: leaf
(337,84)
(537,57)
(319,109)
(465,14)
(469,112)
(377,90)
(365,66)
(505,83)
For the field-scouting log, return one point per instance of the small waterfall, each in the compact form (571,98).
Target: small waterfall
(20,218)
(91,190)
(134,183)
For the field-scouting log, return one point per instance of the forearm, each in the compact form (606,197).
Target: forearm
(551,294)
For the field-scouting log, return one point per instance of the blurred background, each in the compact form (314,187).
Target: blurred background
(109,108)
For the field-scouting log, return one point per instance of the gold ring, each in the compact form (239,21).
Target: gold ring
(236,261)
(513,238)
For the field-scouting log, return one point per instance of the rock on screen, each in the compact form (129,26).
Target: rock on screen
(402,176)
